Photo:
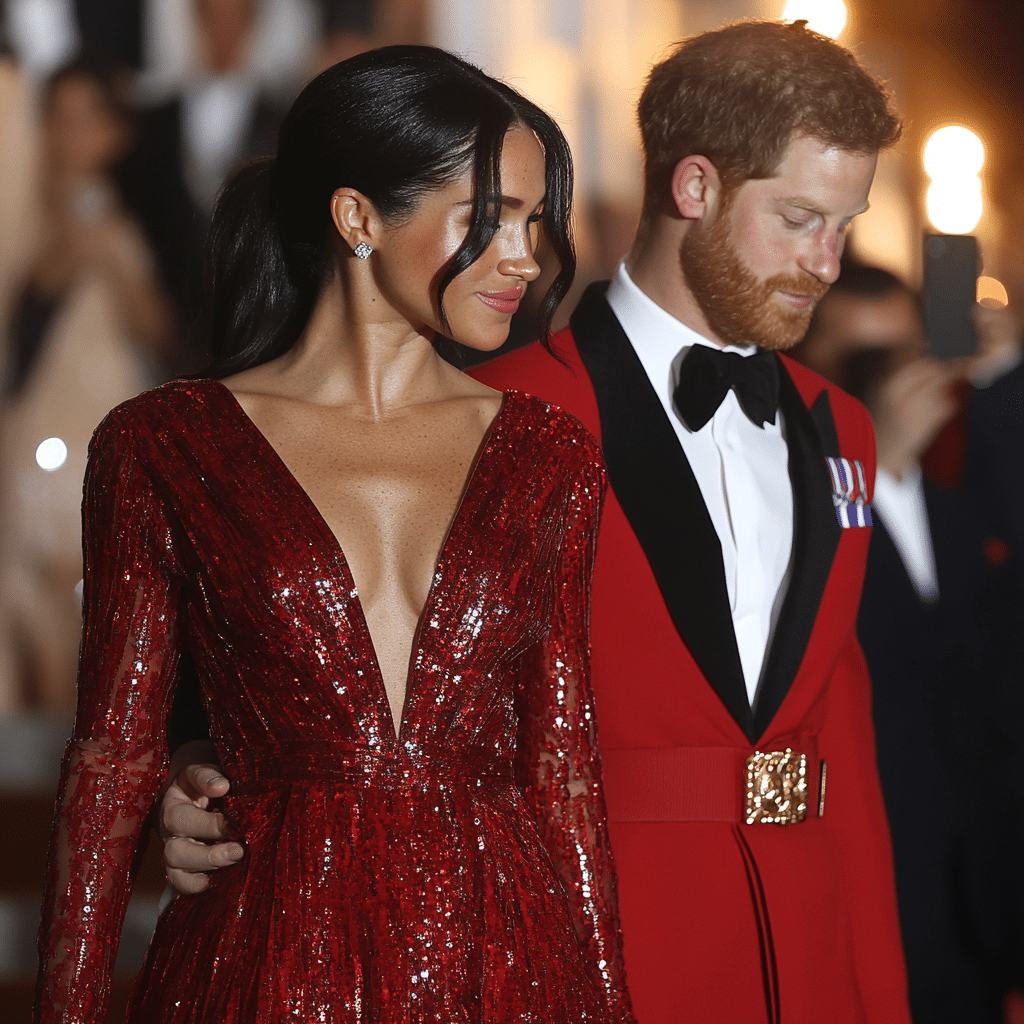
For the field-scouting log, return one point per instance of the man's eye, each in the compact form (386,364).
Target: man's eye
(790,223)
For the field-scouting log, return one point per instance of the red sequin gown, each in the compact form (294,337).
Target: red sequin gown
(456,872)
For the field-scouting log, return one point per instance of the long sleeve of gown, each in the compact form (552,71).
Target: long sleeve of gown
(557,760)
(115,763)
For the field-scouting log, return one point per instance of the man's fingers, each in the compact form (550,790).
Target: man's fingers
(188,855)
(203,780)
(187,883)
(919,377)
(196,840)
(183,818)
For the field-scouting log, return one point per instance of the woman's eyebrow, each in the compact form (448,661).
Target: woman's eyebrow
(512,202)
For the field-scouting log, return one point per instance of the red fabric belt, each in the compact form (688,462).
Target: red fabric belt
(691,783)
(307,761)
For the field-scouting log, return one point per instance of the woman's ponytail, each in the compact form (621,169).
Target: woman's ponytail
(254,309)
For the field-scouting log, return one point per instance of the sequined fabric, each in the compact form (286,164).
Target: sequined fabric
(456,872)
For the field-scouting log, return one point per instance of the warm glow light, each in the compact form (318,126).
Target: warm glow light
(953,152)
(825,16)
(51,454)
(953,156)
(992,292)
(954,206)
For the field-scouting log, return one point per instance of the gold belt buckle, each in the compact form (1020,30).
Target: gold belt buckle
(776,787)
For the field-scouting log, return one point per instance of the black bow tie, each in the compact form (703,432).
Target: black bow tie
(706,374)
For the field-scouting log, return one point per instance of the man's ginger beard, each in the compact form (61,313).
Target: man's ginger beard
(740,308)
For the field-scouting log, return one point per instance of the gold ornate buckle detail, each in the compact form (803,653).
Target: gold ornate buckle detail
(776,787)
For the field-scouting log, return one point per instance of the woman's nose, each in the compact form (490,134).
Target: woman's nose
(523,265)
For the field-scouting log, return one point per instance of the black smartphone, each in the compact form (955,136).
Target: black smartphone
(950,292)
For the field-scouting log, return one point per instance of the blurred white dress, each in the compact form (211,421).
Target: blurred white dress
(85,365)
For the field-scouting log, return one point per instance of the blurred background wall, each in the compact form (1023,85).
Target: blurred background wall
(107,174)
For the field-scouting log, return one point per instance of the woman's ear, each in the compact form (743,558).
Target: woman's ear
(356,220)
(696,187)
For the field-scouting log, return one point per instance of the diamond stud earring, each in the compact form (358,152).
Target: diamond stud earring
(362,250)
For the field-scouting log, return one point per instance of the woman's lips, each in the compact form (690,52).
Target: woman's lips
(506,302)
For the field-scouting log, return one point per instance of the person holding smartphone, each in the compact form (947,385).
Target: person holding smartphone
(941,624)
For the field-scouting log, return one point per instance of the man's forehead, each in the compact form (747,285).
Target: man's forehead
(814,175)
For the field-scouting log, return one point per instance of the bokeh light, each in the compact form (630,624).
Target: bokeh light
(952,152)
(51,454)
(825,16)
(954,205)
(991,292)
(953,156)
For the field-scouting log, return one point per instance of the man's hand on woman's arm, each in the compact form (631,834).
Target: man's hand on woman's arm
(196,839)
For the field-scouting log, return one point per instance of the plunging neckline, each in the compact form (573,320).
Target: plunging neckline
(292,481)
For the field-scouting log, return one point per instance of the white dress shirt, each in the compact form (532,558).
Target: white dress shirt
(900,504)
(742,471)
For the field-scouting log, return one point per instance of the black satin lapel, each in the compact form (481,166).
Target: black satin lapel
(658,492)
(824,421)
(810,436)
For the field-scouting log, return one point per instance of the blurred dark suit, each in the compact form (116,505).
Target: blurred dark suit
(995,459)
(947,674)
(948,697)
(153,181)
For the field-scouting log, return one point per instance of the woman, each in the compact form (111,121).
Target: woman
(88,329)
(380,570)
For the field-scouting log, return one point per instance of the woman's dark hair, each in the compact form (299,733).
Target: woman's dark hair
(394,124)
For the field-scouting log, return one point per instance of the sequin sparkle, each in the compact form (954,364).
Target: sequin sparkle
(458,871)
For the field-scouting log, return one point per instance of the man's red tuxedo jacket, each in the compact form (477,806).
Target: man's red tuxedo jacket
(724,921)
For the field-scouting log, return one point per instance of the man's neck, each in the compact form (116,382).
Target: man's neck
(654,267)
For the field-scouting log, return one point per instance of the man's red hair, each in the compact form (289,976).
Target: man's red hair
(740,94)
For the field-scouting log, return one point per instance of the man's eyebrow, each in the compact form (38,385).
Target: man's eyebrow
(812,207)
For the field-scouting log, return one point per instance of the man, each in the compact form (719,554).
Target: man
(725,589)
(940,626)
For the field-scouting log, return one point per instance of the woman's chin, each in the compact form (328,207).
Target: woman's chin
(481,341)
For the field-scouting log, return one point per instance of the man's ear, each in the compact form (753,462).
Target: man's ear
(356,218)
(696,187)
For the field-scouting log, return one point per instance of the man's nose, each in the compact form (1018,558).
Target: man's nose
(822,259)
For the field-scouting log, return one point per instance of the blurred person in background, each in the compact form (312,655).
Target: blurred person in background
(232,68)
(351,26)
(348,29)
(17,172)
(995,431)
(941,628)
(216,80)
(84,228)
(88,327)
(211,82)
